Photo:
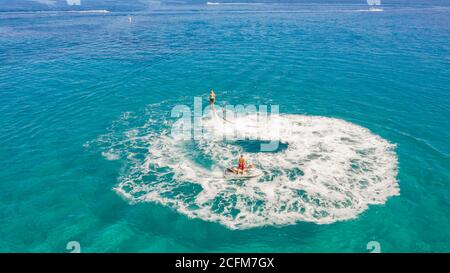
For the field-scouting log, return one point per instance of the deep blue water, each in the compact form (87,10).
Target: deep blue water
(74,85)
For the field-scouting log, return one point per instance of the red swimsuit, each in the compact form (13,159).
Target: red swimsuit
(241,165)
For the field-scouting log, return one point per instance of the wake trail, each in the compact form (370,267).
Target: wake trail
(331,170)
(215,115)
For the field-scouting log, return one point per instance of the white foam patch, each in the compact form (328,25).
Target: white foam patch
(370,10)
(110,155)
(331,170)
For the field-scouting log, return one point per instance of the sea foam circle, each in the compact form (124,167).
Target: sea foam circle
(329,170)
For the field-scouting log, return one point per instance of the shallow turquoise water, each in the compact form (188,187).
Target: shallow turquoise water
(67,80)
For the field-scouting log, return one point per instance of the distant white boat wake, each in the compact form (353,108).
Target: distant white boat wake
(372,4)
(90,11)
(231,4)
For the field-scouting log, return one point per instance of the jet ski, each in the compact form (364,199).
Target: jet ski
(232,173)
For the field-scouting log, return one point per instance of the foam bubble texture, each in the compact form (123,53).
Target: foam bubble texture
(330,170)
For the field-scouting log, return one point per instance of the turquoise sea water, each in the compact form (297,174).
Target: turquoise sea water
(75,86)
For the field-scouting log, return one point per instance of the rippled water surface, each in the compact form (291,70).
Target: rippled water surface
(88,156)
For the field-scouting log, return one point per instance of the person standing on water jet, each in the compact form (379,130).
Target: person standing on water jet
(212,99)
